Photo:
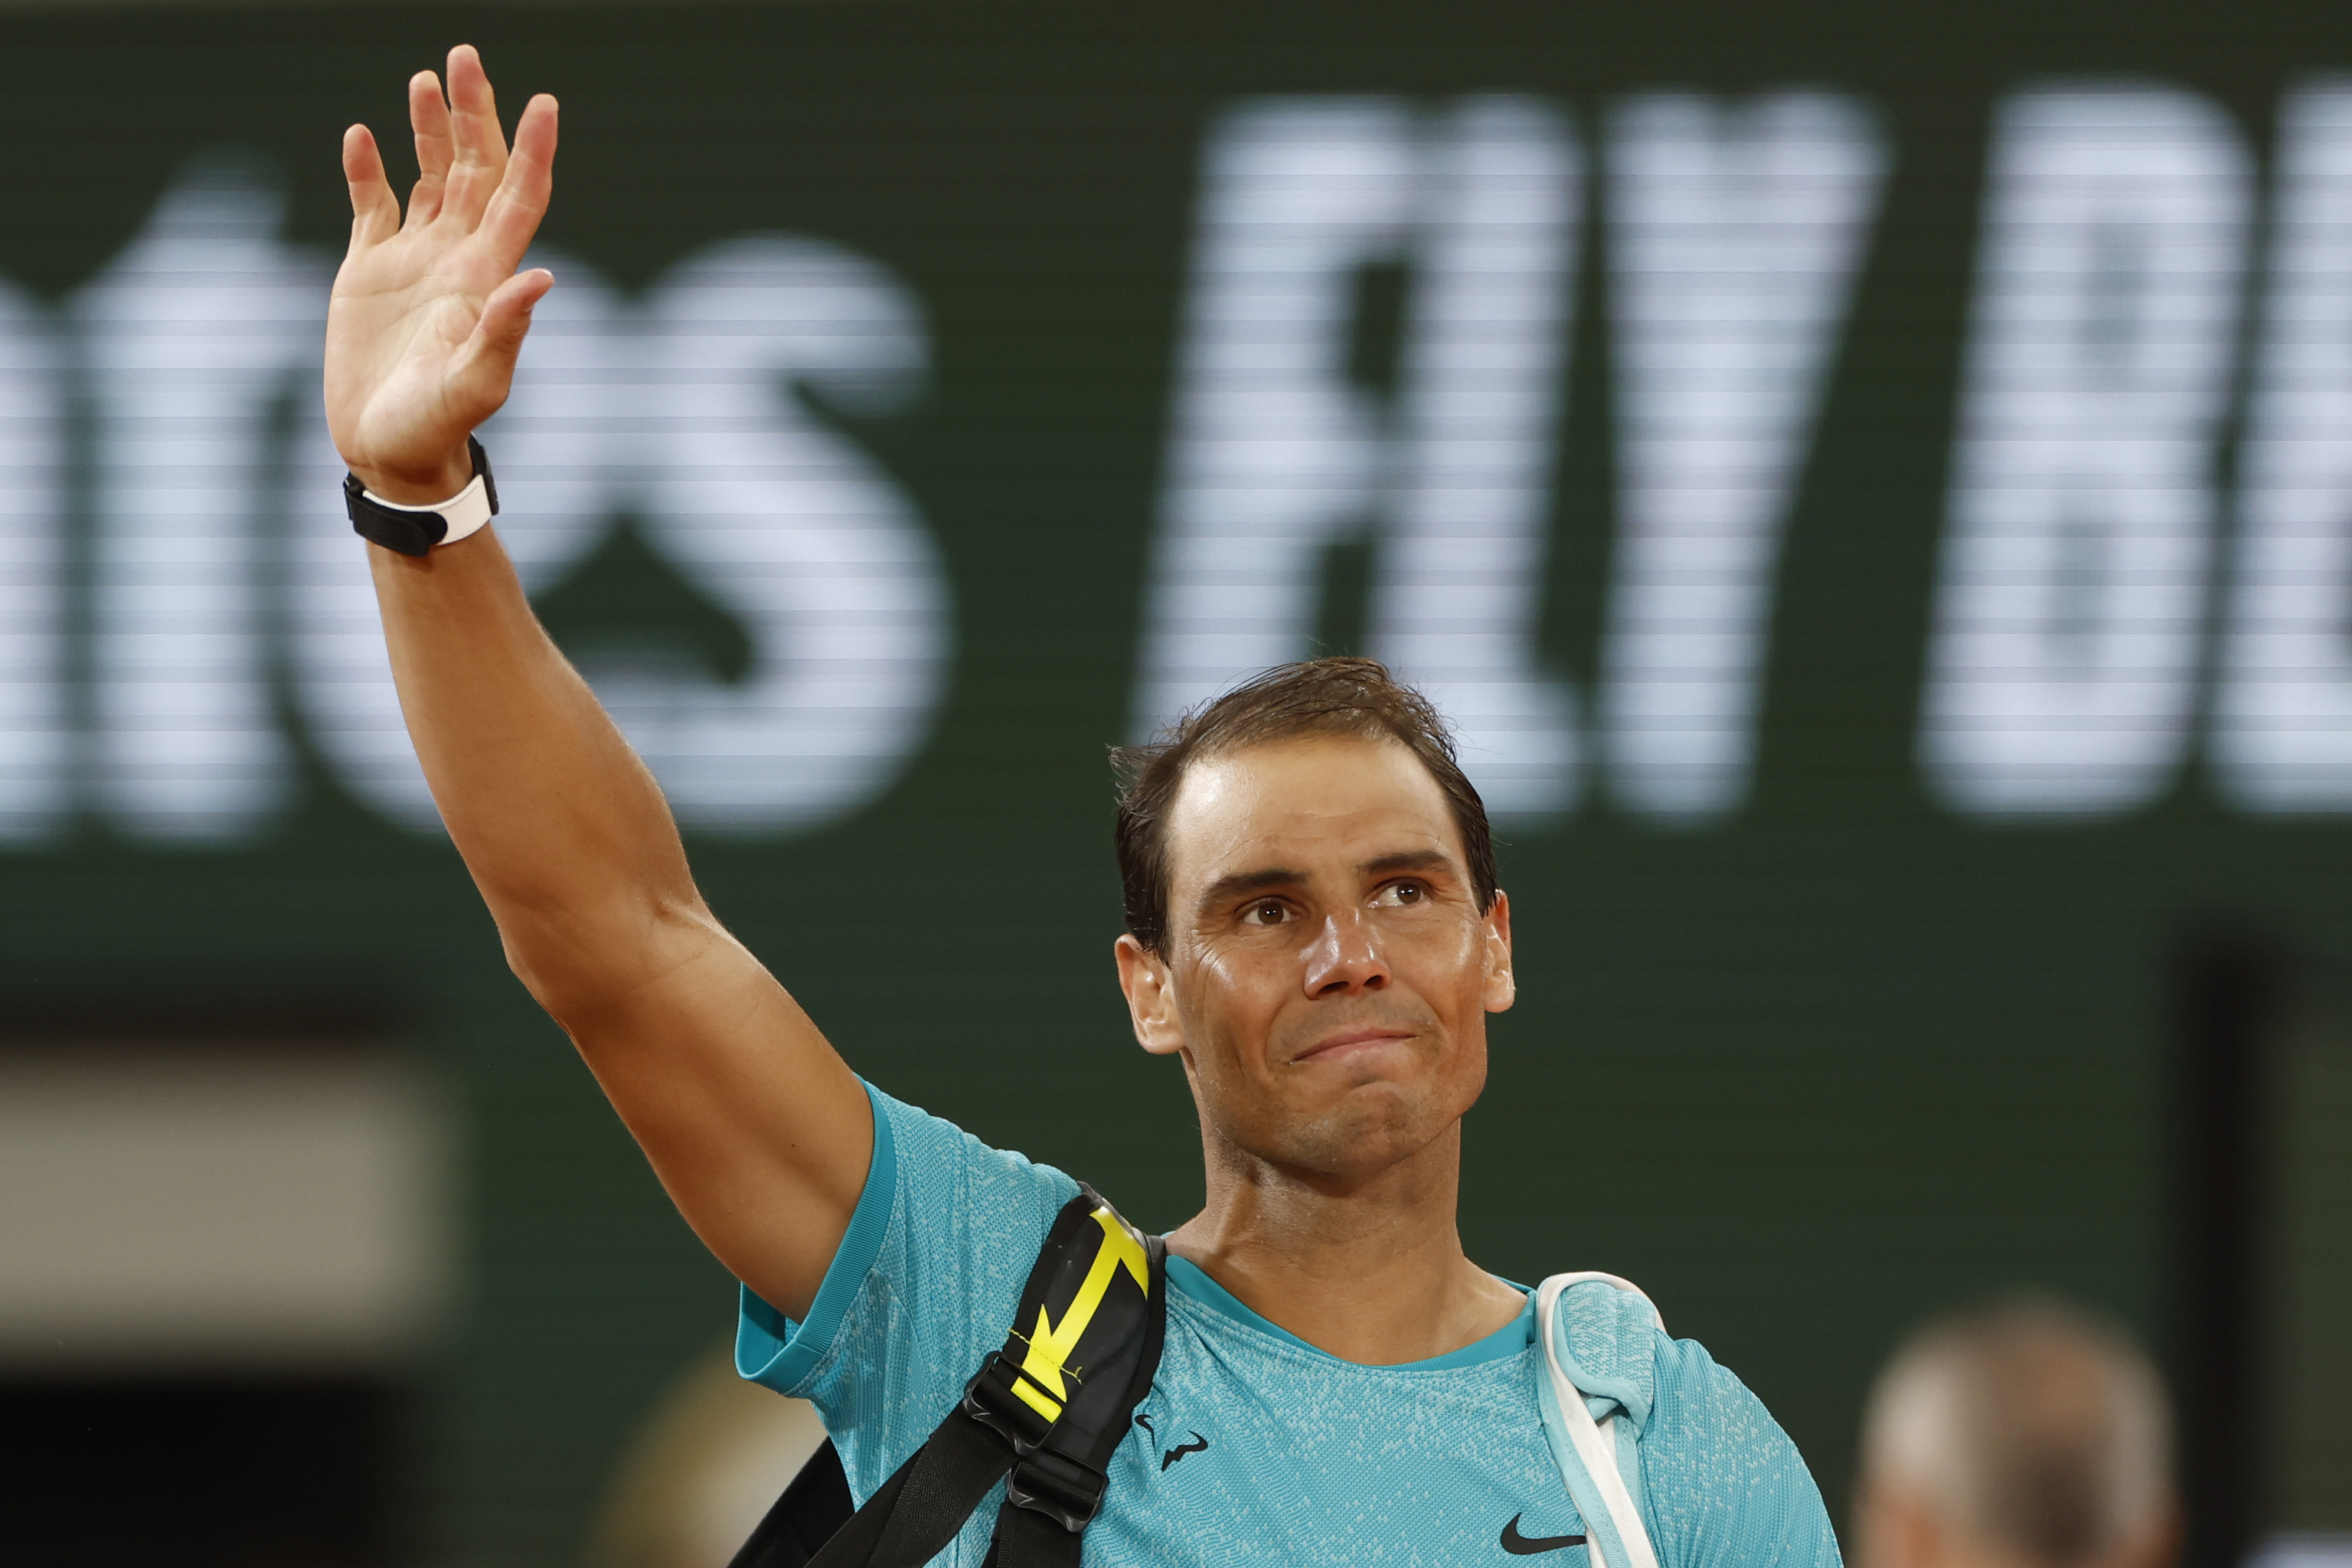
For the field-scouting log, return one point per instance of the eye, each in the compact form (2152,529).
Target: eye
(1398,894)
(1266,913)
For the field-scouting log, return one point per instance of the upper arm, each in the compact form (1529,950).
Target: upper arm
(756,1127)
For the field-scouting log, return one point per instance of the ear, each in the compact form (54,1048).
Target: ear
(1502,988)
(1151,997)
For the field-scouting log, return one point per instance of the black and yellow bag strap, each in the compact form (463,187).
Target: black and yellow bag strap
(1043,1414)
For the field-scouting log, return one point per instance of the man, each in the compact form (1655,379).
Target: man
(2023,1434)
(1314,933)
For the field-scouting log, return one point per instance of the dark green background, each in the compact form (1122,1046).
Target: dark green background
(1805,1076)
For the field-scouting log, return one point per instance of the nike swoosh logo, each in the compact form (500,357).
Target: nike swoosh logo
(1519,1545)
(1199,1444)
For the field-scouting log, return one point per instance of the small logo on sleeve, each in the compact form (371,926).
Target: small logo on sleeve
(1519,1545)
(1199,1444)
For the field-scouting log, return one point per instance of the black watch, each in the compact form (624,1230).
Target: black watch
(415,530)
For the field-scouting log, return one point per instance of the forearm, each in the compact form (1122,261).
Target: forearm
(564,830)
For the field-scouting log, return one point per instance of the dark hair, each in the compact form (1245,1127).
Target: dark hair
(1320,697)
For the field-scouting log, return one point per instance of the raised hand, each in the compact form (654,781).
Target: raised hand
(428,314)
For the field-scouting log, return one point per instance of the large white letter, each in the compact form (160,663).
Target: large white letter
(192,335)
(1460,584)
(2064,654)
(34,739)
(1273,455)
(792,530)
(2283,719)
(1734,235)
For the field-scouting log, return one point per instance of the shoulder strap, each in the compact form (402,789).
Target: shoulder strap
(1044,1415)
(1587,1456)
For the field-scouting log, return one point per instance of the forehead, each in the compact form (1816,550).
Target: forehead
(1298,801)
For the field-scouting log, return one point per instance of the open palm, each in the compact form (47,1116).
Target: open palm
(428,314)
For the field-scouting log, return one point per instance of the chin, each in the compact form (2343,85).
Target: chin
(1374,1126)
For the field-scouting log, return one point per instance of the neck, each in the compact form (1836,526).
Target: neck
(1370,1269)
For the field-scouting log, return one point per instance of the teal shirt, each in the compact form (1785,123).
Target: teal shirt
(1255,1447)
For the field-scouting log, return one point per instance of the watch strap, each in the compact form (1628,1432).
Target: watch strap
(415,530)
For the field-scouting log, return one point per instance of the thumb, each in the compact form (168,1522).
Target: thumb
(505,320)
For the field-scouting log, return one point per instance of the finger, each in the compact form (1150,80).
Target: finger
(481,146)
(522,195)
(428,117)
(486,369)
(375,212)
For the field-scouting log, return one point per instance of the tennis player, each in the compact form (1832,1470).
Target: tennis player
(1313,931)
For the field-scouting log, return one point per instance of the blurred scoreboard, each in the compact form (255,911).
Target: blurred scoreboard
(1873,486)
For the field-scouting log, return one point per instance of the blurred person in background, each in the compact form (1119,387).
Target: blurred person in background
(1314,930)
(2025,1434)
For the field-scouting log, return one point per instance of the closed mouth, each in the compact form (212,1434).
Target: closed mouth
(1345,1045)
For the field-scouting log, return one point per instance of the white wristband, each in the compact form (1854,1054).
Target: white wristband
(465,512)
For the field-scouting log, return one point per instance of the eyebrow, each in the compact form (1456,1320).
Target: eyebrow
(1239,883)
(1409,860)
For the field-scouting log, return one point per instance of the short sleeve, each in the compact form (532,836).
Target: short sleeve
(1726,1487)
(923,1285)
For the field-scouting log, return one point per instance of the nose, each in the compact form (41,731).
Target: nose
(1345,958)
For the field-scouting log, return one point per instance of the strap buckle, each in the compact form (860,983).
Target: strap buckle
(1057,1486)
(1064,1489)
(988,1399)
